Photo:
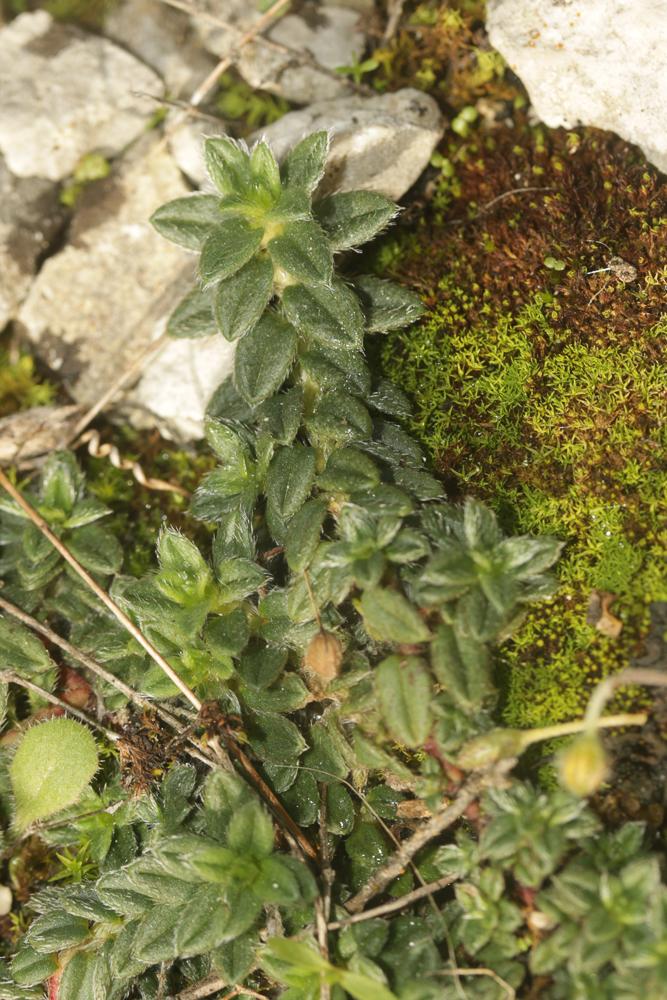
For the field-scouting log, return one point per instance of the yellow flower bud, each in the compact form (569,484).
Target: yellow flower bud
(583,765)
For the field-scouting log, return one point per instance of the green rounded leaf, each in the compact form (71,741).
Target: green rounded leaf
(52,766)
(241,299)
(188,221)
(227,164)
(228,247)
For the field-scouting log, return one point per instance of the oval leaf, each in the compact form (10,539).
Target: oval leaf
(405,693)
(188,221)
(53,765)
(241,299)
(228,247)
(264,357)
(351,218)
(389,617)
(303,251)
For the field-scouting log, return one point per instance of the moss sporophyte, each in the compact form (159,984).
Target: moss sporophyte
(297,707)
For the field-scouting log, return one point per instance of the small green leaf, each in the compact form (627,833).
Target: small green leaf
(461,665)
(30,967)
(264,358)
(85,977)
(289,481)
(262,665)
(351,218)
(303,534)
(22,652)
(61,482)
(302,250)
(56,931)
(264,168)
(227,248)
(241,299)
(281,415)
(337,368)
(405,694)
(349,471)
(303,167)
(235,959)
(389,617)
(330,315)
(155,940)
(96,549)
(53,764)
(251,831)
(238,578)
(387,306)
(227,165)
(188,221)
(193,316)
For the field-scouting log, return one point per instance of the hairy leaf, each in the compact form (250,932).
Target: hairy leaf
(52,766)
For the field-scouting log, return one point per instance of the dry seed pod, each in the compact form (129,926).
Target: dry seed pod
(324,657)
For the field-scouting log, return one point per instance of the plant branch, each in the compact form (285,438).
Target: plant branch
(467,794)
(207,987)
(396,904)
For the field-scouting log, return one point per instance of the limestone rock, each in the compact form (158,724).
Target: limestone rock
(30,217)
(295,59)
(66,93)
(591,62)
(100,301)
(30,433)
(163,38)
(378,143)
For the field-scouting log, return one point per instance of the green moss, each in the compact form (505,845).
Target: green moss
(139,512)
(21,386)
(543,391)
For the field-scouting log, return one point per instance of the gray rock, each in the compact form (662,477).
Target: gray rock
(66,93)
(378,143)
(30,217)
(600,63)
(164,39)
(287,59)
(26,435)
(99,302)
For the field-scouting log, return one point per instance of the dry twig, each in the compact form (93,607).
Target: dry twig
(467,794)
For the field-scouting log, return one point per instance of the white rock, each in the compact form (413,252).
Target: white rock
(286,60)
(66,93)
(378,143)
(164,39)
(591,62)
(331,34)
(6,900)
(100,301)
(30,217)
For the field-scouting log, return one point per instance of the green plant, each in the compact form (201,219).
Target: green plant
(337,641)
